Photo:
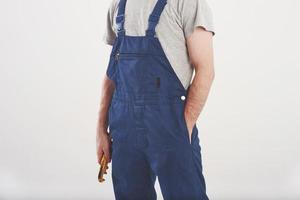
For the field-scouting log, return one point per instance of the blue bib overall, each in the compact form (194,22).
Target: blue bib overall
(146,121)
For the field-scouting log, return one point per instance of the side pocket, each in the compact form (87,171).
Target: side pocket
(187,130)
(181,122)
(111,117)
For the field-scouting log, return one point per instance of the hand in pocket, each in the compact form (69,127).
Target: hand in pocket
(189,124)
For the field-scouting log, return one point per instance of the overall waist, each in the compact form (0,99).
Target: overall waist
(149,99)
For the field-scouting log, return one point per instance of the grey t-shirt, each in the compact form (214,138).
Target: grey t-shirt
(177,22)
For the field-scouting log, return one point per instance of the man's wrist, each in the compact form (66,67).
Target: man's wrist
(190,116)
(102,130)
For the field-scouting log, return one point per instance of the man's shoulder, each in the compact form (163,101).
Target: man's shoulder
(180,5)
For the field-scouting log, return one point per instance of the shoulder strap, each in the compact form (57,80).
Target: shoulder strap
(154,17)
(120,20)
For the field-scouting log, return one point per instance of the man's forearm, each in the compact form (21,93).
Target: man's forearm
(106,96)
(198,93)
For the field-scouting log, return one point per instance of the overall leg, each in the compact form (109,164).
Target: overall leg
(175,160)
(180,173)
(132,177)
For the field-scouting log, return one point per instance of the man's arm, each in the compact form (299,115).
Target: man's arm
(200,49)
(102,138)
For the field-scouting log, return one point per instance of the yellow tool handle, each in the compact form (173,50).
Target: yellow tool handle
(103,169)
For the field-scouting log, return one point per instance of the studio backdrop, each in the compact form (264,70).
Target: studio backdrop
(52,61)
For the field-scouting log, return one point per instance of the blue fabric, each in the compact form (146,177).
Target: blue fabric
(147,125)
(120,20)
(154,17)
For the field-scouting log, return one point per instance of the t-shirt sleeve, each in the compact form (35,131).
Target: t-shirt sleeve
(196,13)
(110,34)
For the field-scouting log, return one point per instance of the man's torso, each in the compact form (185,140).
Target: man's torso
(170,30)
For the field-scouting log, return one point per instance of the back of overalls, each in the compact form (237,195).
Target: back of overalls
(146,120)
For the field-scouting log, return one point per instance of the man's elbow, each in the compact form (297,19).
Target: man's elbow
(207,72)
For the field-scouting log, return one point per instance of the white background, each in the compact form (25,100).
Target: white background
(52,61)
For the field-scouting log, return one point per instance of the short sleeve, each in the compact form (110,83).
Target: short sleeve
(196,13)
(109,34)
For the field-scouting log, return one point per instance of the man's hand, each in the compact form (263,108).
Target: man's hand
(103,146)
